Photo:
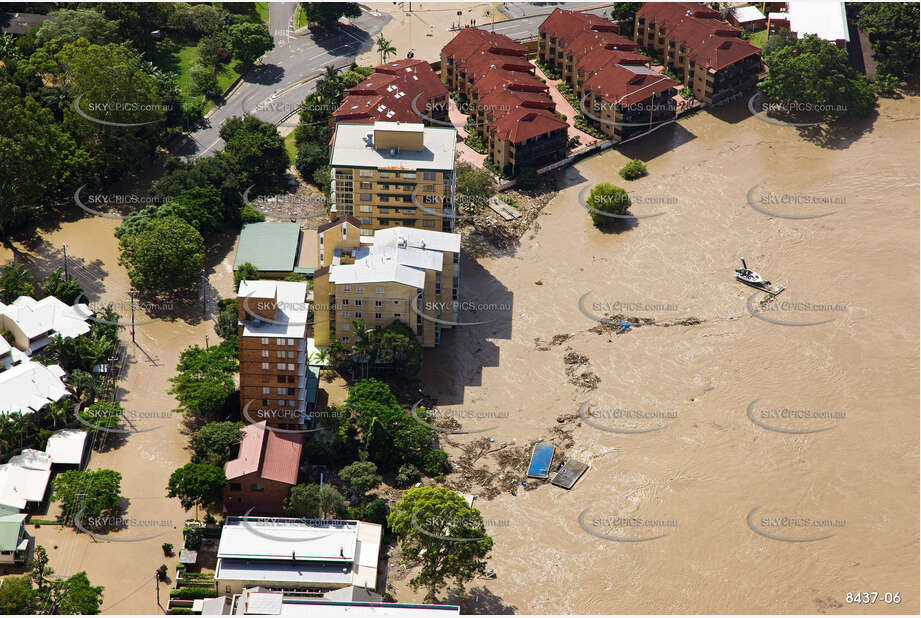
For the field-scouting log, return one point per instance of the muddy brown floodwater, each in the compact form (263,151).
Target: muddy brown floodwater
(694,481)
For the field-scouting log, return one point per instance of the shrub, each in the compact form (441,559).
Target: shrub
(167,549)
(192,537)
(190,593)
(435,462)
(161,572)
(407,476)
(633,170)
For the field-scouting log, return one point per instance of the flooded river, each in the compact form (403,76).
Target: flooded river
(773,463)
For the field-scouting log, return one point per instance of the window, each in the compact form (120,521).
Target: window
(280,379)
(280,341)
(379,303)
(265,390)
(366,173)
(291,392)
(364,208)
(364,197)
(409,175)
(428,175)
(265,354)
(265,402)
(346,288)
(366,220)
(280,366)
(358,302)
(359,289)
(358,315)
(345,327)
(345,315)
(345,301)
(384,174)
(290,341)
(428,223)
(396,316)
(292,354)
(265,341)
(345,340)
(265,366)
(280,390)
(281,403)
(396,302)
(378,316)
(290,366)
(364,184)
(281,354)
(257,487)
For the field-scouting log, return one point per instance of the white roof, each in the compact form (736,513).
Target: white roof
(745,14)
(350,148)
(290,318)
(825,19)
(35,317)
(30,386)
(66,446)
(266,603)
(397,255)
(24,478)
(262,538)
(406,127)
(5,347)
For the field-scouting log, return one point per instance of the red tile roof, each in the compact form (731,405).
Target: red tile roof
(388,93)
(511,80)
(500,102)
(471,40)
(589,40)
(666,14)
(597,58)
(481,64)
(719,52)
(565,25)
(273,455)
(619,85)
(692,31)
(523,123)
(342,219)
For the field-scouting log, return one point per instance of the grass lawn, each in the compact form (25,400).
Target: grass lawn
(262,9)
(290,147)
(300,18)
(758,38)
(181,60)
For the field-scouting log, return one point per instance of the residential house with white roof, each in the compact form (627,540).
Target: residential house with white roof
(827,20)
(34,323)
(30,386)
(400,274)
(67,447)
(296,554)
(24,479)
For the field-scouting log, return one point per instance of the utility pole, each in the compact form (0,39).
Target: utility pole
(157,584)
(204,295)
(65,261)
(131,294)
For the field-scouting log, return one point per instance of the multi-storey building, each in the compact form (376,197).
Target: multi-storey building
(566,36)
(276,384)
(627,100)
(470,41)
(707,54)
(393,174)
(402,274)
(404,90)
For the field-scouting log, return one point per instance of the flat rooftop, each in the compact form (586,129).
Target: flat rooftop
(351,149)
(827,20)
(290,319)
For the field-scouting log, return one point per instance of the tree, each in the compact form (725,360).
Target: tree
(893,31)
(246,272)
(778,40)
(257,152)
(68,25)
(215,171)
(17,596)
(200,207)
(87,494)
(204,381)
(248,41)
(384,48)
(315,502)
(65,290)
(168,254)
(15,281)
(76,596)
(311,156)
(397,343)
(604,200)
(204,81)
(226,324)
(475,185)
(621,11)
(213,443)
(196,485)
(633,170)
(360,478)
(326,14)
(816,72)
(33,146)
(440,532)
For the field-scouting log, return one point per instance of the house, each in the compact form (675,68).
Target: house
(707,54)
(276,383)
(260,477)
(399,274)
(827,20)
(67,447)
(748,17)
(30,386)
(404,90)
(382,172)
(6,354)
(24,479)
(276,249)
(296,554)
(15,542)
(258,601)
(34,323)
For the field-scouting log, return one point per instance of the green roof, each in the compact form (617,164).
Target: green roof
(269,246)
(10,528)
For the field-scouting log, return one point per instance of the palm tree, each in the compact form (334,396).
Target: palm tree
(329,88)
(384,48)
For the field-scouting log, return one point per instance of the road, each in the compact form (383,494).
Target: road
(525,17)
(275,88)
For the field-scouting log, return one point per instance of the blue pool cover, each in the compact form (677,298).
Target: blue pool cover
(541,458)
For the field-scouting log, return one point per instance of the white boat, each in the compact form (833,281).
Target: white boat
(750,277)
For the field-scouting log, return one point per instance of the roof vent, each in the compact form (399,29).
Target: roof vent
(401,242)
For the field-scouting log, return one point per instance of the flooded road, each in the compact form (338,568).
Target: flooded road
(758,436)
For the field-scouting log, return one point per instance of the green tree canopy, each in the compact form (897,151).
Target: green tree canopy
(102,494)
(246,272)
(624,10)
(15,281)
(605,199)
(17,596)
(326,14)
(313,502)
(65,290)
(213,443)
(475,185)
(196,485)
(893,31)
(205,381)
(168,254)
(256,151)
(360,477)
(248,41)
(439,531)
(69,25)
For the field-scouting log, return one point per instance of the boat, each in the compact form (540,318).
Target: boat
(750,277)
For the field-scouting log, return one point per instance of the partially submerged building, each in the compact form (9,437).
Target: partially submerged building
(30,386)
(289,554)
(261,474)
(398,274)
(24,480)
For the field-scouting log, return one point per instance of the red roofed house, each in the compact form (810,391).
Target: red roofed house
(707,54)
(405,90)
(626,100)
(263,472)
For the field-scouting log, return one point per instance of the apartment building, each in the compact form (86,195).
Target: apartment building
(628,100)
(566,36)
(707,54)
(406,90)
(504,52)
(400,274)
(276,384)
(394,174)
